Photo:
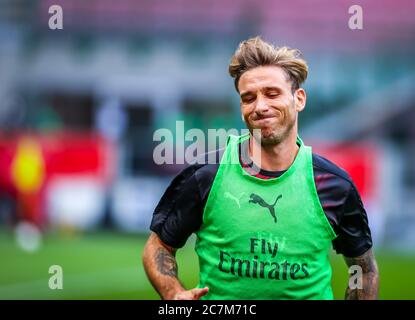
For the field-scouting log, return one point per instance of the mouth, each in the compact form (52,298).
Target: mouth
(263,122)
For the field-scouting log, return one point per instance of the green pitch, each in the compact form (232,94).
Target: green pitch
(107,265)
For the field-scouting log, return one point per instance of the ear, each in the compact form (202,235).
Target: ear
(300,97)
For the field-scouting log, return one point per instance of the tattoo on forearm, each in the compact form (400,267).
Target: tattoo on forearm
(370,277)
(166,263)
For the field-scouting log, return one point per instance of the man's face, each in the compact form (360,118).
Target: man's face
(268,103)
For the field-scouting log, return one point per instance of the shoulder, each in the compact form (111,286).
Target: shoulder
(343,207)
(179,211)
(197,176)
(205,169)
(331,178)
(336,190)
(324,165)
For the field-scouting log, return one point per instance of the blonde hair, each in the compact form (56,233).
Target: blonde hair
(255,52)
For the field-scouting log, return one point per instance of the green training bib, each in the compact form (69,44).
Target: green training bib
(264,239)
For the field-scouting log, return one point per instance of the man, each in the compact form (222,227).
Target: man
(264,224)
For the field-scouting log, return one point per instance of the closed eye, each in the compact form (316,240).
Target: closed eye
(272,92)
(274,95)
(248,99)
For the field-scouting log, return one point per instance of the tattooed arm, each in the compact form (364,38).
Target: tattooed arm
(160,264)
(370,277)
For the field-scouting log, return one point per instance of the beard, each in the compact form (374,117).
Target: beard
(275,134)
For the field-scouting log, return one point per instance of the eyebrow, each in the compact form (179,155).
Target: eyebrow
(247,93)
(272,88)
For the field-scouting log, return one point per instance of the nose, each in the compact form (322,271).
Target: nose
(261,105)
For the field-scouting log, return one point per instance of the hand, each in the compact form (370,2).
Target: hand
(193,294)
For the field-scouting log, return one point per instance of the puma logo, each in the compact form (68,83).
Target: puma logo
(232,197)
(258,200)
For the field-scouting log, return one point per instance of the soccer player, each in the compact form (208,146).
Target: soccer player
(263,231)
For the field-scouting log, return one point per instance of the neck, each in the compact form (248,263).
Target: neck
(276,157)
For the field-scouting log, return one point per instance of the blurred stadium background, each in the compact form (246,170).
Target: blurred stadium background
(79,106)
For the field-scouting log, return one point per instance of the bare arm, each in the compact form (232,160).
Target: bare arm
(369,277)
(160,264)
